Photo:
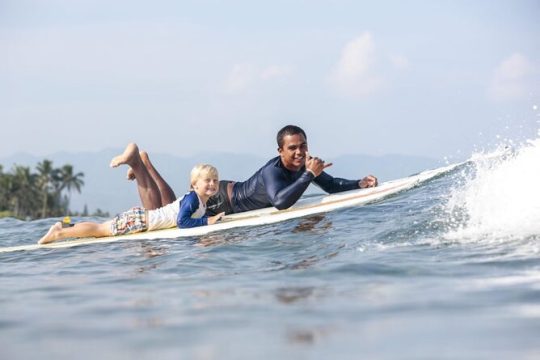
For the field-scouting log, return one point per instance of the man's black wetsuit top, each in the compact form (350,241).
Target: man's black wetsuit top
(274,185)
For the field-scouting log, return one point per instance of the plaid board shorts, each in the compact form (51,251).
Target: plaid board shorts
(132,221)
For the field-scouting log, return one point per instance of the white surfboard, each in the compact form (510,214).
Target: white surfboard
(304,207)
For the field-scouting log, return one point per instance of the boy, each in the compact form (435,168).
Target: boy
(185,212)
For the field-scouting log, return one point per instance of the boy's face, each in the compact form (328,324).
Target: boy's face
(206,185)
(293,151)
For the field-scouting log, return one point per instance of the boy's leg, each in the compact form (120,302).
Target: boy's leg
(167,194)
(148,190)
(84,229)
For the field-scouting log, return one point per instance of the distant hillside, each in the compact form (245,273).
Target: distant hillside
(108,190)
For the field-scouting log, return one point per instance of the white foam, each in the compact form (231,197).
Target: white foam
(502,199)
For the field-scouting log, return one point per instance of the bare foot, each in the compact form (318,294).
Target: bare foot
(126,157)
(145,159)
(52,234)
(130,175)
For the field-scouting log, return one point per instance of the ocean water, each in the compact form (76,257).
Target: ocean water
(449,269)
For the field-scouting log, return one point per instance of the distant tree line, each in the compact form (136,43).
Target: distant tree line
(42,193)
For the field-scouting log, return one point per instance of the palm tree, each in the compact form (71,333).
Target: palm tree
(69,181)
(23,191)
(46,176)
(25,194)
(4,190)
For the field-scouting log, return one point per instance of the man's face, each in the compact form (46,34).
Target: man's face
(293,151)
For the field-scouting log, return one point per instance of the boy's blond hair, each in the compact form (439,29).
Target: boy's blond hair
(203,170)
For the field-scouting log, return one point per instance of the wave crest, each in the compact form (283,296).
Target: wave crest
(500,198)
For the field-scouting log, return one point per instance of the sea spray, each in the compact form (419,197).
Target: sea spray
(500,199)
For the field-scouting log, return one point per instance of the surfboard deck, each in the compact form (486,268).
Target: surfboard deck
(304,207)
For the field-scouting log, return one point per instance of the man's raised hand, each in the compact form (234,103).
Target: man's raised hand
(315,165)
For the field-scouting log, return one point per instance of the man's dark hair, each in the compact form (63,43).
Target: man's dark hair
(288,130)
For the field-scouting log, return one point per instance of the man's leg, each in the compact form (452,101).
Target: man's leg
(147,187)
(167,194)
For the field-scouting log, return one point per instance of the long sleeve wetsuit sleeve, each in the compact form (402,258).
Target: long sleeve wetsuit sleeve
(281,193)
(332,185)
(188,206)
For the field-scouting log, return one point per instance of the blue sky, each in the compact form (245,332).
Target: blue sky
(430,78)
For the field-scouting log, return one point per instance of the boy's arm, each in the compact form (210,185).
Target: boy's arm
(188,206)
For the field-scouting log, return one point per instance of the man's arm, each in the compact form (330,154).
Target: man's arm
(281,192)
(332,185)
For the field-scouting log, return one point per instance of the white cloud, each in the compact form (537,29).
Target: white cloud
(240,78)
(245,76)
(275,71)
(512,79)
(354,75)
(400,62)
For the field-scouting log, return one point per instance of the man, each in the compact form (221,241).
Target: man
(283,180)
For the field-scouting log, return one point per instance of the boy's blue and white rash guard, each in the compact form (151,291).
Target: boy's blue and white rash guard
(192,211)
(185,212)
